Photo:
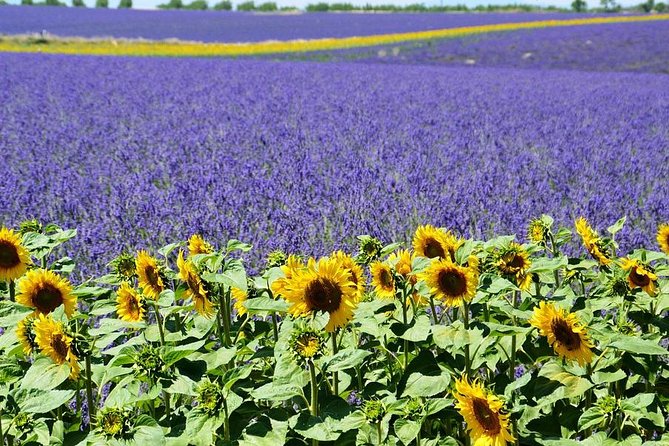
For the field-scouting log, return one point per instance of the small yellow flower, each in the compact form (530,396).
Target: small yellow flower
(640,276)
(129,305)
(433,243)
(55,343)
(45,291)
(14,257)
(382,280)
(452,283)
(197,245)
(149,275)
(663,237)
(195,287)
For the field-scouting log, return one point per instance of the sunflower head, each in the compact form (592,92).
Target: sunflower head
(25,331)
(434,243)
(129,304)
(355,271)
(14,257)
(115,422)
(537,231)
(564,332)
(55,343)
(197,245)
(209,398)
(45,291)
(640,275)
(148,361)
(383,280)
(592,242)
(124,266)
(240,296)
(483,413)
(513,260)
(307,344)
(369,248)
(374,410)
(195,286)
(149,274)
(449,282)
(663,237)
(276,258)
(414,409)
(32,225)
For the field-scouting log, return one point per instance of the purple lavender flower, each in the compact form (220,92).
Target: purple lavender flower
(354,399)
(519,371)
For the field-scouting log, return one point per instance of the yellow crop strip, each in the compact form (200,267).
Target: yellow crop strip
(127,47)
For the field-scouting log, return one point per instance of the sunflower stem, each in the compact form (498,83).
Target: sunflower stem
(2,434)
(406,342)
(275,328)
(313,407)
(556,253)
(434,311)
(512,368)
(588,399)
(379,433)
(226,422)
(12,293)
(89,391)
(159,322)
(335,375)
(465,318)
(168,410)
(77,400)
(224,314)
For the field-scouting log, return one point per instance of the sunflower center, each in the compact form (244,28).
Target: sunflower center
(324,295)
(47,298)
(433,249)
(9,255)
(487,418)
(133,305)
(59,345)
(193,283)
(452,283)
(386,279)
(640,280)
(565,335)
(151,275)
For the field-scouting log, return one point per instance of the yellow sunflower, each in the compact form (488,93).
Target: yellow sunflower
(292,266)
(25,331)
(356,274)
(14,257)
(55,343)
(663,237)
(45,291)
(536,231)
(382,280)
(130,307)
(240,297)
(197,245)
(195,287)
(514,261)
(433,242)
(565,333)
(149,275)
(482,411)
(640,276)
(591,241)
(403,261)
(450,282)
(324,285)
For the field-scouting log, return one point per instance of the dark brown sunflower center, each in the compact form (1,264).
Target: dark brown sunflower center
(323,294)
(565,335)
(193,283)
(640,280)
(516,262)
(133,305)
(386,278)
(47,298)
(433,249)
(59,345)
(9,255)
(487,418)
(152,276)
(452,283)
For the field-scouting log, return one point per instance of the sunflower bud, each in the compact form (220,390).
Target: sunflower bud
(276,258)
(124,266)
(209,398)
(369,249)
(32,225)
(307,344)
(114,422)
(374,410)
(148,361)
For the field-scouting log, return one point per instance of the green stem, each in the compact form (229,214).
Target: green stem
(89,391)
(77,398)
(168,410)
(313,407)
(406,341)
(335,375)
(226,422)
(12,290)
(556,254)
(159,322)
(275,328)
(588,399)
(434,311)
(2,434)
(465,318)
(224,313)
(379,432)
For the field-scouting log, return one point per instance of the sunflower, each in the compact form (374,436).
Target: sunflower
(513,261)
(382,279)
(537,231)
(591,241)
(564,332)
(129,304)
(640,276)
(433,242)
(307,344)
(149,275)
(324,285)
(482,411)
(663,237)
(197,245)
(25,331)
(403,261)
(449,282)
(45,291)
(195,287)
(292,266)
(240,297)
(356,275)
(55,343)
(14,257)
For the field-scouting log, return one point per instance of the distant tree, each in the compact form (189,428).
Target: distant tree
(318,7)
(267,7)
(579,5)
(225,5)
(648,6)
(199,5)
(125,4)
(27,2)
(102,3)
(246,6)
(78,3)
(3,3)
(660,7)
(172,4)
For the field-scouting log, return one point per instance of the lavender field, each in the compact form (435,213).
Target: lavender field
(304,156)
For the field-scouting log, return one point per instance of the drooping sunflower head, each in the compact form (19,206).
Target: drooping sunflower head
(129,304)
(434,243)
(292,266)
(307,344)
(563,331)
(355,271)
(382,280)
(276,258)
(323,286)
(149,275)
(483,413)
(124,266)
(209,398)
(592,242)
(45,291)
(369,248)
(513,260)
(449,282)
(14,257)
(195,288)
(55,343)
(640,275)
(240,296)
(31,225)
(618,286)
(197,245)
(663,237)
(115,422)
(25,331)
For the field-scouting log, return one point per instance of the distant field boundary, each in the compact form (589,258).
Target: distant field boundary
(177,48)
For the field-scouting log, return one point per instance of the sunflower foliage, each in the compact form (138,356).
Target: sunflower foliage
(553,338)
